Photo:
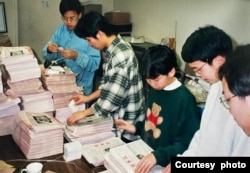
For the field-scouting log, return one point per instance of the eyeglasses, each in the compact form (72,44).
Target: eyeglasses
(198,70)
(69,19)
(225,101)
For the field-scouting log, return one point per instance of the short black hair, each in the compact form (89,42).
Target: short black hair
(236,71)
(70,5)
(158,60)
(91,23)
(205,44)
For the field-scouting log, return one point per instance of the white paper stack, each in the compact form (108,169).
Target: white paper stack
(62,113)
(124,158)
(8,109)
(40,102)
(94,153)
(37,134)
(62,85)
(20,62)
(90,130)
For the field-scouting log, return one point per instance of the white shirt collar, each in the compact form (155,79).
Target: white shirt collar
(173,85)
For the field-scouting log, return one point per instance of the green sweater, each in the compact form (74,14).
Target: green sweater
(172,119)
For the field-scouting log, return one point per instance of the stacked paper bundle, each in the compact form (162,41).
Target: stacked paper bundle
(8,108)
(124,158)
(90,130)
(94,153)
(25,87)
(40,102)
(20,62)
(62,113)
(37,134)
(62,83)
(22,76)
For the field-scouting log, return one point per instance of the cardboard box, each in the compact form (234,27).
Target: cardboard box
(118,17)
(91,7)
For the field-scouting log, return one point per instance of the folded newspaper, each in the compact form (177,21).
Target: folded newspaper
(124,158)
(94,153)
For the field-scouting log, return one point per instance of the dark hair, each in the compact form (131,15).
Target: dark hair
(70,5)
(91,23)
(205,44)
(158,60)
(236,71)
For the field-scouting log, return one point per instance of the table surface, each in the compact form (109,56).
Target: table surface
(11,154)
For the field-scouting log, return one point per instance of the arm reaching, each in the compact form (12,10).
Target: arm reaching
(122,124)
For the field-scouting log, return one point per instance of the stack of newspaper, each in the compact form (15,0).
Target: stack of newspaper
(94,153)
(124,158)
(21,65)
(39,102)
(37,134)
(22,78)
(8,108)
(62,83)
(90,130)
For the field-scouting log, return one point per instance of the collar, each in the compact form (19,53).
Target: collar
(173,85)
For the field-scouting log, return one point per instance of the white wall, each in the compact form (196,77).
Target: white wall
(155,19)
(37,23)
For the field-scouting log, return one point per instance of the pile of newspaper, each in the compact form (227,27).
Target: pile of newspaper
(23,70)
(61,82)
(124,158)
(22,79)
(94,153)
(90,130)
(8,108)
(37,134)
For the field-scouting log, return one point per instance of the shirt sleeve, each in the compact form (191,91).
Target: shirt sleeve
(113,91)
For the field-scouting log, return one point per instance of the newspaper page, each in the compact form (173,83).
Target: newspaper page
(94,153)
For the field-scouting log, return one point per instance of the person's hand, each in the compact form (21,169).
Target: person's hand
(146,164)
(167,169)
(68,53)
(122,124)
(79,99)
(52,47)
(75,117)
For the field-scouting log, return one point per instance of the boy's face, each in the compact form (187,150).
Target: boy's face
(70,19)
(98,42)
(208,72)
(238,107)
(160,82)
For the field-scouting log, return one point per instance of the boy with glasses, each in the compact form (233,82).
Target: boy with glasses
(65,47)
(235,75)
(219,135)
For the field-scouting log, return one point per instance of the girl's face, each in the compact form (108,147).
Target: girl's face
(238,107)
(160,82)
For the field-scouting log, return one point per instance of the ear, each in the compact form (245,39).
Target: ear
(99,35)
(172,72)
(247,98)
(80,15)
(219,60)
